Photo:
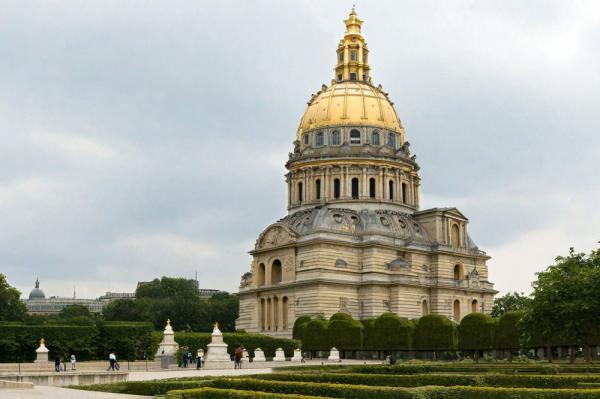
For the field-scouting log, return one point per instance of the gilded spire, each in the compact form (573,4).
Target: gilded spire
(352,53)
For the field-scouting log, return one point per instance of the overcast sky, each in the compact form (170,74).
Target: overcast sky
(141,139)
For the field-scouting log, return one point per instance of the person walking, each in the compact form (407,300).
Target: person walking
(73,361)
(57,364)
(112,359)
(238,357)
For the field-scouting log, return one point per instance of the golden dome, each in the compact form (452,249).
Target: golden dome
(351,100)
(350,103)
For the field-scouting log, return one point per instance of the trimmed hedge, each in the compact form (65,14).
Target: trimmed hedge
(129,340)
(488,380)
(370,392)
(315,336)
(19,341)
(391,332)
(508,331)
(435,333)
(299,327)
(195,341)
(504,368)
(216,393)
(345,333)
(145,388)
(476,332)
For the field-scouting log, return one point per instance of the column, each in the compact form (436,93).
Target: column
(380,185)
(325,194)
(397,187)
(309,185)
(365,188)
(386,195)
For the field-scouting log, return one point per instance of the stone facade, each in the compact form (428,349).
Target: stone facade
(354,239)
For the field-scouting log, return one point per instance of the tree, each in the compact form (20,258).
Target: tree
(566,303)
(168,287)
(511,301)
(74,313)
(299,327)
(391,333)
(11,306)
(435,333)
(508,332)
(345,333)
(475,333)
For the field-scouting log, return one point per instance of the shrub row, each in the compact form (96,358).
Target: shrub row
(216,393)
(195,341)
(146,388)
(388,332)
(368,392)
(489,380)
(508,368)
(130,340)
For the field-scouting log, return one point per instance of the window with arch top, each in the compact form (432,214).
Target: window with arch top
(354,136)
(336,188)
(391,140)
(455,235)
(318,188)
(404,192)
(375,138)
(300,199)
(371,188)
(456,310)
(355,188)
(319,139)
(335,137)
(458,272)
(276,272)
(306,139)
(391,190)
(474,306)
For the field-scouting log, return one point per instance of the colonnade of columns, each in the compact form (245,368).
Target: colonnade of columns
(273,313)
(324,184)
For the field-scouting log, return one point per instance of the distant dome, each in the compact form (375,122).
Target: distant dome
(37,293)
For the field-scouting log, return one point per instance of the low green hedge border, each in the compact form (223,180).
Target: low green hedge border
(216,393)
(369,392)
(475,368)
(419,380)
(146,388)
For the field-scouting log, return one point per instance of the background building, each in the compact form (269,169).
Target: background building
(355,240)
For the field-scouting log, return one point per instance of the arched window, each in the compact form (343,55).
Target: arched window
(391,190)
(375,138)
(455,236)
(261,275)
(391,140)
(353,56)
(355,188)
(474,306)
(354,137)
(336,188)
(457,310)
(424,308)
(404,193)
(372,187)
(284,313)
(335,137)
(341,56)
(306,138)
(458,272)
(276,272)
(275,313)
(319,139)
(300,192)
(262,314)
(318,188)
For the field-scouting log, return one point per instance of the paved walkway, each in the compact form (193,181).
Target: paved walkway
(45,392)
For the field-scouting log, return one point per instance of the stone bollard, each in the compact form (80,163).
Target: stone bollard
(297,355)
(334,355)
(279,355)
(259,355)
(42,355)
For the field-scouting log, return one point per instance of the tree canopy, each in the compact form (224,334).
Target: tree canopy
(11,306)
(566,302)
(512,301)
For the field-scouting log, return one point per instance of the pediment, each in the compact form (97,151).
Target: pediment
(275,235)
